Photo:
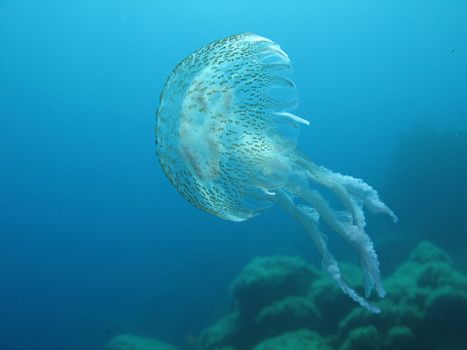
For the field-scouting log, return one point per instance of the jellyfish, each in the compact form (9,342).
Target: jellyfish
(226,138)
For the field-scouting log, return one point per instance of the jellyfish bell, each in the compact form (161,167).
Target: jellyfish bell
(223,133)
(226,139)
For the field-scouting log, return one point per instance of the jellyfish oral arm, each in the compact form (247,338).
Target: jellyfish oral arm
(309,218)
(347,188)
(349,223)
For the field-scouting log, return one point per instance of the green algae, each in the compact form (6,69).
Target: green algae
(425,306)
(298,340)
(282,303)
(134,342)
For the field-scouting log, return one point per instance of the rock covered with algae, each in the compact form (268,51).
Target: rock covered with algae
(134,342)
(268,280)
(272,296)
(426,306)
(282,303)
(298,340)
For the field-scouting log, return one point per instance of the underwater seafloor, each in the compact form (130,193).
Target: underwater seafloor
(283,302)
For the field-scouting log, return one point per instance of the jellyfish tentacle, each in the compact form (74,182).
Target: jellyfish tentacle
(309,218)
(293,117)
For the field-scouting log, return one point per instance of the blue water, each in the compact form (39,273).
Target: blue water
(94,241)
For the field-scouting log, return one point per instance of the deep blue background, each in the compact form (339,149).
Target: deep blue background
(93,239)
